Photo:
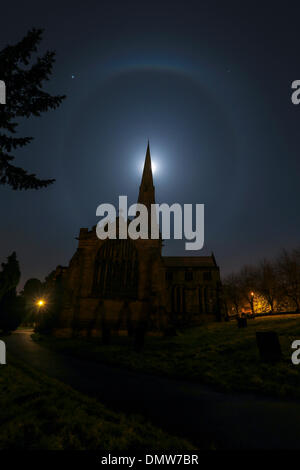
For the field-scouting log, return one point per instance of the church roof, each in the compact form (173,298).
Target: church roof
(190,261)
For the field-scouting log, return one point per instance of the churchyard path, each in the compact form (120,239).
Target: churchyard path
(197,412)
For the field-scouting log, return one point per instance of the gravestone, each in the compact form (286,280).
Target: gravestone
(268,346)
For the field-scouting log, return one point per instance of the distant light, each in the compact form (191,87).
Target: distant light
(40,303)
(252,294)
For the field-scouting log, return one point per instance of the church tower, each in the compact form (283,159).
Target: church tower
(147,192)
(125,284)
(151,266)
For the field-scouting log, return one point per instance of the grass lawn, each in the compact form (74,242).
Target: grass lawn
(41,413)
(217,354)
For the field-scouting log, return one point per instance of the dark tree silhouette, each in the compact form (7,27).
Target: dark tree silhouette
(11,305)
(33,290)
(289,276)
(25,97)
(233,295)
(10,275)
(11,311)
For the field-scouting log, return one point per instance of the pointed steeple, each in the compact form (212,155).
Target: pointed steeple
(147,190)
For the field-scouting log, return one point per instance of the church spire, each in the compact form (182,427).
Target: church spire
(147,191)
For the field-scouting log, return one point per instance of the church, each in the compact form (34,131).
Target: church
(122,284)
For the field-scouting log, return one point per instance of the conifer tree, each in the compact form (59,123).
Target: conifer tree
(10,275)
(11,305)
(24,79)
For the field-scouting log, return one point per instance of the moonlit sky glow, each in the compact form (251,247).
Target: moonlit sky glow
(156,167)
(208,83)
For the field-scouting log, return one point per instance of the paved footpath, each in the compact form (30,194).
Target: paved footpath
(187,409)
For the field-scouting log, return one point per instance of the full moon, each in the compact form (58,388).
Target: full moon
(154,166)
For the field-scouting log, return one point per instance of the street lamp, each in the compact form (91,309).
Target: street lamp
(40,304)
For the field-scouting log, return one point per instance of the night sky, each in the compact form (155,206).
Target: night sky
(209,83)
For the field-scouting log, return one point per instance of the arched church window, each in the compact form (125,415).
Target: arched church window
(116,270)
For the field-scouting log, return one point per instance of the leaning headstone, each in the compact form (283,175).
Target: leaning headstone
(268,346)
(242,322)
